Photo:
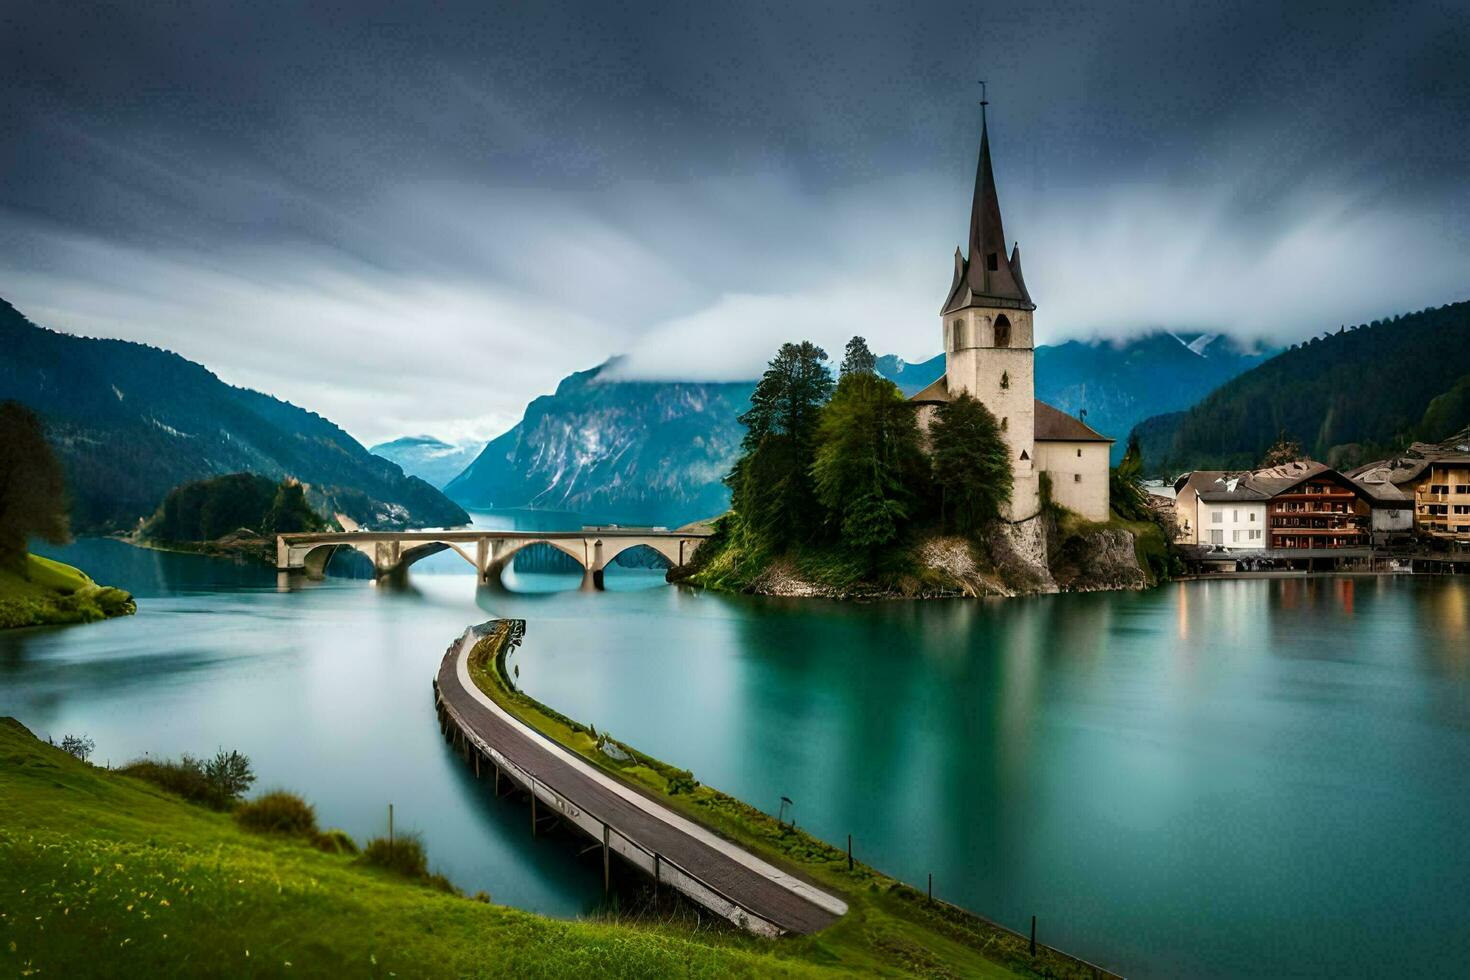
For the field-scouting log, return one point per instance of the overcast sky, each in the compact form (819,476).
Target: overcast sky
(414,218)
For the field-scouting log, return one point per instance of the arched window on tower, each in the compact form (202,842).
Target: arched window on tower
(1005,379)
(1002,331)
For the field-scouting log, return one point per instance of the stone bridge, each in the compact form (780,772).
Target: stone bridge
(392,552)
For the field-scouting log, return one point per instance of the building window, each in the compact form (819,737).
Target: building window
(1235,517)
(1002,331)
(1005,423)
(1217,517)
(1023,455)
(1255,534)
(1079,454)
(1005,379)
(1076,477)
(1462,508)
(992,261)
(1217,537)
(1462,488)
(1235,537)
(1253,515)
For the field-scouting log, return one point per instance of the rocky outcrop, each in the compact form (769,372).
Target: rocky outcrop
(1098,559)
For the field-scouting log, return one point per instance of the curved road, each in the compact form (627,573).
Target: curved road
(790,904)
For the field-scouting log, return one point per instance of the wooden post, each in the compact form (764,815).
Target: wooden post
(931,888)
(849,852)
(497,780)
(390,826)
(655,876)
(533,811)
(1033,935)
(606,861)
(477,765)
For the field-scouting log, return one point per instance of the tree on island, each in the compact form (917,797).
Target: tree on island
(869,457)
(32,487)
(771,484)
(858,359)
(290,512)
(970,462)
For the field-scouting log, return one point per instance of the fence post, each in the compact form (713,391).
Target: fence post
(390,826)
(931,888)
(606,862)
(849,852)
(533,811)
(1033,935)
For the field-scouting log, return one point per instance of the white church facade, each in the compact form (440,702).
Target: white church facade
(989,352)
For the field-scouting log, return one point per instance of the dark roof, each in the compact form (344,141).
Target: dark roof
(1055,425)
(975,283)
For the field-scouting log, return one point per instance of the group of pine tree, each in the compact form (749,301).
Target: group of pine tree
(842,462)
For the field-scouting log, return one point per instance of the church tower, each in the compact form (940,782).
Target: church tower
(988,341)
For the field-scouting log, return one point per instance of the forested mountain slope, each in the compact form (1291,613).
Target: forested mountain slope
(1346,397)
(130,422)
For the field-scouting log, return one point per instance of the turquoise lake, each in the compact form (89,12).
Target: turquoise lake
(1230,778)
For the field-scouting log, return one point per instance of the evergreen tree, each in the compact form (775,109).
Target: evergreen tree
(857,359)
(771,483)
(32,488)
(971,464)
(290,512)
(868,458)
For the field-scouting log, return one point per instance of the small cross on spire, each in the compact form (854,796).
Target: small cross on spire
(983,101)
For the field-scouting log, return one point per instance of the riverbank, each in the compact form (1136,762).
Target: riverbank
(889,926)
(94,863)
(43,592)
(1056,551)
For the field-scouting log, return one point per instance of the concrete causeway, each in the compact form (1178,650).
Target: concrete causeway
(670,848)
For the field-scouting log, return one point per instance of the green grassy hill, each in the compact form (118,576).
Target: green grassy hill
(103,873)
(44,592)
(1346,397)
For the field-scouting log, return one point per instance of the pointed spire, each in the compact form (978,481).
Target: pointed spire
(991,277)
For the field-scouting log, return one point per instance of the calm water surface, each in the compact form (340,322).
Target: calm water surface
(1211,779)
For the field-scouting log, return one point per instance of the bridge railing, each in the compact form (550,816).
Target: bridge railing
(663,869)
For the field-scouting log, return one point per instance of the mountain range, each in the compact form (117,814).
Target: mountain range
(655,452)
(432,460)
(130,422)
(1346,397)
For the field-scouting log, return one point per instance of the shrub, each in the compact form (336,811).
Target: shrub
(335,842)
(278,812)
(229,774)
(217,783)
(78,745)
(405,855)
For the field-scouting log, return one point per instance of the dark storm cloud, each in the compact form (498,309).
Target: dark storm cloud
(287,192)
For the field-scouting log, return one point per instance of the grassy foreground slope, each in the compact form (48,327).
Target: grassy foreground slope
(101,874)
(44,592)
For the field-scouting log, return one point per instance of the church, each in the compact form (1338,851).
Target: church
(989,352)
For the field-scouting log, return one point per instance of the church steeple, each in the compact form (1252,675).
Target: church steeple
(988,277)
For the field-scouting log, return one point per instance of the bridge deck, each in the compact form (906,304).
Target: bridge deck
(755,886)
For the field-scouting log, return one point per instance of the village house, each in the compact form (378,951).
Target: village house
(1303,511)
(1430,484)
